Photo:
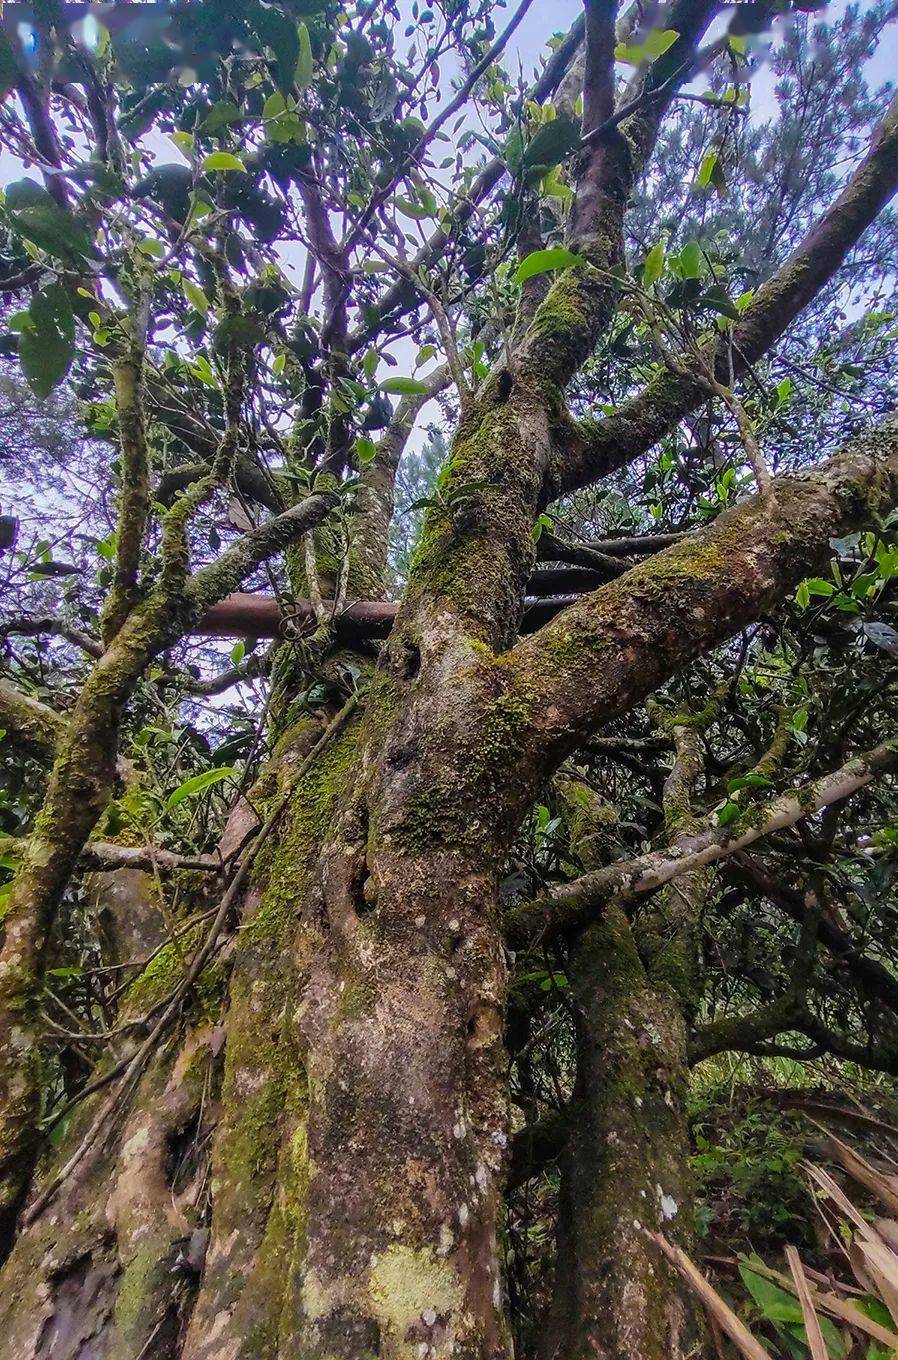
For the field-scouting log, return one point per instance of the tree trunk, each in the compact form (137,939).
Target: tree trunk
(625,1167)
(354,1188)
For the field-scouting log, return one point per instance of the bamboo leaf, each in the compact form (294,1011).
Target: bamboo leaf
(816,1344)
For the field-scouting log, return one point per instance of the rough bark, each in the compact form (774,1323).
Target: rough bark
(625,1163)
(623,1169)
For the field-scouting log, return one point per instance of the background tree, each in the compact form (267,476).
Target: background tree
(351,983)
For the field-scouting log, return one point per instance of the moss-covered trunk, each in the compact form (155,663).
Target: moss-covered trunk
(625,1165)
(346,1200)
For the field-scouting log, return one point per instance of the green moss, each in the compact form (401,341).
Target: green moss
(504,719)
(429,818)
(460,555)
(563,314)
(674,966)
(163,973)
(406,1285)
(285,866)
(137,1300)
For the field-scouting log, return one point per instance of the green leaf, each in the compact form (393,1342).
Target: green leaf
(410,209)
(223,160)
(541,261)
(717,300)
(690,260)
(366,450)
(803,596)
(654,265)
(659,41)
(730,812)
(195,296)
(278,32)
(202,369)
(706,169)
(656,43)
(305,66)
(238,652)
(542,523)
(275,106)
(38,217)
(150,246)
(774,1302)
(184,141)
(51,309)
(748,781)
(46,350)
(221,115)
(552,143)
(818,586)
(404,387)
(46,358)
(8,70)
(198,783)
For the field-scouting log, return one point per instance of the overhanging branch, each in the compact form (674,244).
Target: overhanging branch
(572,905)
(600,447)
(614,646)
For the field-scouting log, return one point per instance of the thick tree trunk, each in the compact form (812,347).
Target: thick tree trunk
(354,1188)
(400,1021)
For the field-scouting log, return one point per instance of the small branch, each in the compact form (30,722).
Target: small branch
(414,156)
(572,905)
(103,855)
(400,297)
(641,421)
(223,576)
(51,627)
(550,548)
(134,501)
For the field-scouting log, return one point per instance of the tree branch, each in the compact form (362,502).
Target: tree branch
(612,647)
(600,447)
(32,725)
(223,576)
(580,304)
(50,627)
(574,904)
(873,976)
(402,296)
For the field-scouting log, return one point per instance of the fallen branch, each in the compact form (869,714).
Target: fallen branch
(717,1309)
